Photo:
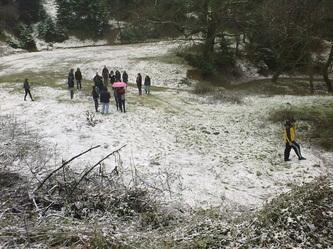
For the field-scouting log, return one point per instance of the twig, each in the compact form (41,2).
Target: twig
(98,163)
(64,164)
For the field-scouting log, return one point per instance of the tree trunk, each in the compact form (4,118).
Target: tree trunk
(310,71)
(326,71)
(211,30)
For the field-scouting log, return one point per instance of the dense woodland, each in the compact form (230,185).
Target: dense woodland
(278,37)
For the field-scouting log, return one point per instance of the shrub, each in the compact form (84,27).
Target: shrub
(203,88)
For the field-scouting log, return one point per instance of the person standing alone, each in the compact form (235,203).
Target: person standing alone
(26,87)
(290,137)
(78,78)
(70,82)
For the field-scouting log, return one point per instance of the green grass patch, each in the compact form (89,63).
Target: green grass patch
(51,79)
(319,116)
(299,87)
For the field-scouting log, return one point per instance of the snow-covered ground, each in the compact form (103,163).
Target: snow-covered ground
(210,154)
(51,8)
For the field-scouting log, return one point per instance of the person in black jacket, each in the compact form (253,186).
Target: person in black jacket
(112,77)
(118,76)
(139,83)
(26,87)
(105,100)
(78,78)
(105,74)
(95,97)
(70,82)
(147,84)
(98,82)
(121,99)
(125,77)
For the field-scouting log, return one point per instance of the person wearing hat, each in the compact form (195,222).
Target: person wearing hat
(290,140)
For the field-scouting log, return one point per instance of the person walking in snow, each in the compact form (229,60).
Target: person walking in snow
(105,74)
(105,100)
(115,95)
(147,84)
(139,83)
(70,82)
(290,140)
(26,87)
(78,78)
(118,76)
(95,96)
(121,99)
(125,77)
(112,77)
(98,82)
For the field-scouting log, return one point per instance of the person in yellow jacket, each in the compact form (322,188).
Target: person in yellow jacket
(290,137)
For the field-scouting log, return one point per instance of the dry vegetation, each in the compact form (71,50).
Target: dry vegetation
(97,208)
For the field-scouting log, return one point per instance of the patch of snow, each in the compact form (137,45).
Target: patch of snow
(210,153)
(51,8)
(91,59)
(74,42)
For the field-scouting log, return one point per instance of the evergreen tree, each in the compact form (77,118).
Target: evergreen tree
(25,38)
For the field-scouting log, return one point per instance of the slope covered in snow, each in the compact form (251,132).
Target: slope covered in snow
(208,153)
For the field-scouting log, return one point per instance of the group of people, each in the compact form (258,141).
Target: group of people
(100,92)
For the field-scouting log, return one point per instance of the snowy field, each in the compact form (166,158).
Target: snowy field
(208,153)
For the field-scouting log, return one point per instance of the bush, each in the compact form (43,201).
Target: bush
(26,41)
(319,116)
(203,88)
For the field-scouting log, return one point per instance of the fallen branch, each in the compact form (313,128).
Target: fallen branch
(98,163)
(64,164)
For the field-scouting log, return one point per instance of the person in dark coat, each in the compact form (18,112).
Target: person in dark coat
(98,81)
(26,87)
(78,78)
(105,100)
(125,77)
(139,83)
(70,82)
(147,84)
(121,99)
(118,76)
(115,95)
(112,77)
(105,74)
(95,97)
